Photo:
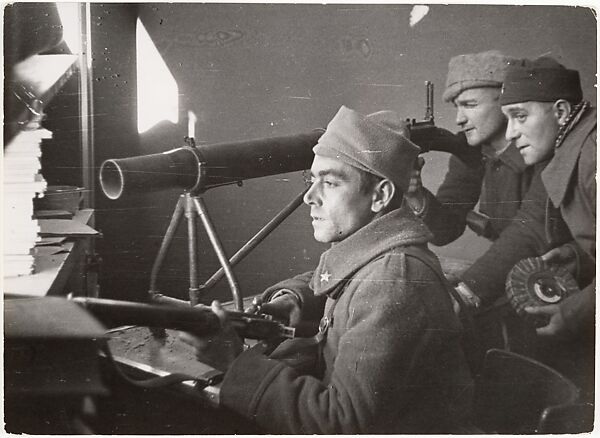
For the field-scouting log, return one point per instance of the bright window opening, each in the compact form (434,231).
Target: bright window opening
(157,91)
(69,17)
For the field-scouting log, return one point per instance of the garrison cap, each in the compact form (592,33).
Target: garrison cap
(378,143)
(540,80)
(475,70)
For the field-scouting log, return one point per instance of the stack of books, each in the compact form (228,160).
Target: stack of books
(22,183)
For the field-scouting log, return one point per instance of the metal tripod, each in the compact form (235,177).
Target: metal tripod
(192,206)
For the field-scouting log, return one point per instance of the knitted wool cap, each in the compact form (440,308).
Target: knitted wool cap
(540,80)
(475,70)
(377,143)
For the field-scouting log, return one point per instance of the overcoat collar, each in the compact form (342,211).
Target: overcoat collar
(558,173)
(399,227)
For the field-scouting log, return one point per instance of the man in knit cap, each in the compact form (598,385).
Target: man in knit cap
(553,128)
(499,180)
(387,357)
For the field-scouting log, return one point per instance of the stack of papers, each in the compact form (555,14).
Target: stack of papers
(22,181)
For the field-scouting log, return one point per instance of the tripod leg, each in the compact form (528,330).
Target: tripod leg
(190,215)
(164,246)
(214,240)
(262,234)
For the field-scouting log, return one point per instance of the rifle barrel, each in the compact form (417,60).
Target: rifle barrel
(199,321)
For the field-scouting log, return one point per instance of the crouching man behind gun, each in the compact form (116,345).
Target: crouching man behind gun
(387,355)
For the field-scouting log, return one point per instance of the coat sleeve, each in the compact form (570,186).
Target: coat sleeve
(579,311)
(374,378)
(586,238)
(446,212)
(524,238)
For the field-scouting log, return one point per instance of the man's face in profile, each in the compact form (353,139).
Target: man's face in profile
(479,116)
(533,127)
(339,205)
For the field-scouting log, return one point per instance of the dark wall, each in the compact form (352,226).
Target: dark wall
(258,70)
(61,155)
(124,269)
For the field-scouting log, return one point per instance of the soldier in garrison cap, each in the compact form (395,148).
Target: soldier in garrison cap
(387,357)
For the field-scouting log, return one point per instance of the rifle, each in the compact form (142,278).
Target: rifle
(197,320)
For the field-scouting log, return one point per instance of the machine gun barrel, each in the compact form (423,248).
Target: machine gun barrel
(198,168)
(199,321)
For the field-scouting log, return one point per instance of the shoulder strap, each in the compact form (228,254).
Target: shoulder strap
(471,342)
(420,254)
(327,320)
(326,323)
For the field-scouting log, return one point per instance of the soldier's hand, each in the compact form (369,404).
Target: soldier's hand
(218,350)
(562,255)
(467,296)
(453,278)
(254,308)
(556,324)
(285,307)
(415,194)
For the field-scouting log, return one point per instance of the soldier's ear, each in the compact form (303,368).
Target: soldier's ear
(562,109)
(383,193)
